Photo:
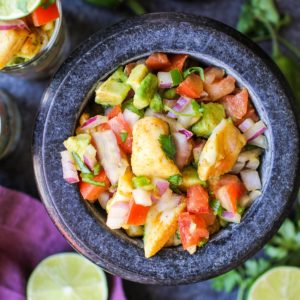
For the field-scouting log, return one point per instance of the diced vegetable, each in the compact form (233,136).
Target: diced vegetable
(190,178)
(158,61)
(93,122)
(145,91)
(180,105)
(142,182)
(176,77)
(246,124)
(212,74)
(184,148)
(212,115)
(123,132)
(251,180)
(156,103)
(189,116)
(110,155)
(191,87)
(130,117)
(103,199)
(137,213)
(209,217)
(42,15)
(170,93)
(188,134)
(197,150)
(197,199)
(114,112)
(221,88)
(177,62)
(164,80)
(89,157)
(236,106)
(260,141)
(78,144)
(128,104)
(117,215)
(254,131)
(69,169)
(142,197)
(91,192)
(192,229)
(162,185)
(231,217)
(137,75)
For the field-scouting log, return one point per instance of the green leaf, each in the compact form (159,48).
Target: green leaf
(216,207)
(191,70)
(168,145)
(124,135)
(176,77)
(81,165)
(227,282)
(175,182)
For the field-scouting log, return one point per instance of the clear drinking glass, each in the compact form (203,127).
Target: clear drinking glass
(10,124)
(48,60)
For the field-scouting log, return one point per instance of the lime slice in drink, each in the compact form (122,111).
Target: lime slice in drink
(280,283)
(67,276)
(16,9)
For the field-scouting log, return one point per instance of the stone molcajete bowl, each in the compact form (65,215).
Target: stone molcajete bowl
(213,43)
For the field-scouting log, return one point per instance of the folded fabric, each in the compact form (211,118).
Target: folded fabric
(27,236)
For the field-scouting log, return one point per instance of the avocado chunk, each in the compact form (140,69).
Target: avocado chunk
(137,75)
(170,93)
(78,143)
(213,114)
(190,177)
(156,103)
(114,90)
(146,91)
(128,104)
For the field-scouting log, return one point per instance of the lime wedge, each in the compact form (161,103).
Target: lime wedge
(67,276)
(16,9)
(277,284)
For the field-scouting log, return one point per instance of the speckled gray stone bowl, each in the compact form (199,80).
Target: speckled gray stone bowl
(212,43)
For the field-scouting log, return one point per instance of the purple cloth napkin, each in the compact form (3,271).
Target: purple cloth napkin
(27,236)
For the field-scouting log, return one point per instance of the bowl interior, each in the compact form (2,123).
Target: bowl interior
(211,43)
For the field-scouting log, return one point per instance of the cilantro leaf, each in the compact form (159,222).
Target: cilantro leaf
(191,70)
(175,181)
(168,145)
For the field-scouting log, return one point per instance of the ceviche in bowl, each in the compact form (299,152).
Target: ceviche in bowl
(170,150)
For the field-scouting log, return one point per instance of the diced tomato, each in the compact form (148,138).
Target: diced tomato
(91,192)
(251,114)
(114,112)
(158,61)
(221,88)
(137,213)
(228,190)
(212,74)
(192,229)
(123,132)
(128,68)
(177,62)
(197,199)
(191,87)
(209,217)
(236,106)
(103,127)
(42,16)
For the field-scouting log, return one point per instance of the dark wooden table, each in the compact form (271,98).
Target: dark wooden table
(16,171)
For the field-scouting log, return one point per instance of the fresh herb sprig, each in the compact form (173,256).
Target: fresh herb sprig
(168,145)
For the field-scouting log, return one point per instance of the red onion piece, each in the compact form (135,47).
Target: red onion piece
(248,155)
(154,199)
(168,201)
(186,132)
(246,124)
(110,155)
(180,105)
(169,103)
(183,150)
(130,117)
(260,141)
(89,157)
(118,215)
(93,122)
(231,217)
(162,185)
(198,150)
(254,131)
(69,169)
(164,80)
(142,197)
(13,24)
(251,180)
(103,199)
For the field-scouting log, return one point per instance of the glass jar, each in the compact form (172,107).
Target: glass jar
(10,124)
(49,59)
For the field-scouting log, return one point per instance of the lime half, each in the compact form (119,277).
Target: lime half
(15,9)
(281,283)
(67,276)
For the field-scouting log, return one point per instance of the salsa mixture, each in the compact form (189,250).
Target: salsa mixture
(23,38)
(170,150)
